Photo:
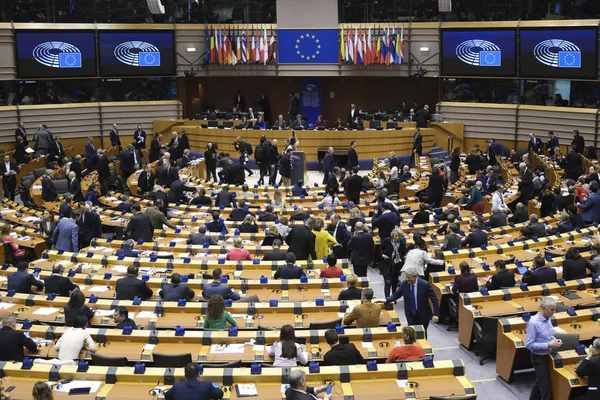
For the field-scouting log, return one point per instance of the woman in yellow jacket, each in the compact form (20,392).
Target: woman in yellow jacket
(323,239)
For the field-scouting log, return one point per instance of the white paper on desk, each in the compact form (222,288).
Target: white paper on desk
(104,313)
(146,314)
(325,290)
(148,347)
(98,289)
(3,278)
(98,248)
(147,271)
(341,314)
(470,308)
(164,254)
(6,306)
(119,268)
(350,308)
(36,187)
(161,270)
(29,150)
(24,238)
(258,347)
(42,342)
(238,315)
(238,273)
(46,311)
(179,240)
(554,298)
(233,348)
(31,219)
(367,345)
(13,234)
(93,385)
(402,383)
(558,329)
(247,389)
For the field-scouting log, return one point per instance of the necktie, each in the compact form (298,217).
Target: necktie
(413,300)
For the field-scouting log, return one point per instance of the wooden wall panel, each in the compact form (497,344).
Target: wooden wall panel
(8,124)
(482,120)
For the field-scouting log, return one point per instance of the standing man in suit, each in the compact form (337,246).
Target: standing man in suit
(115,139)
(139,136)
(353,186)
(437,187)
(417,149)
(155,147)
(301,241)
(192,388)
(129,159)
(418,299)
(526,184)
(48,188)
(90,226)
(64,210)
(578,142)
(139,226)
(293,107)
(352,117)
(8,170)
(57,152)
(573,163)
(103,172)
(13,341)
(172,174)
(58,284)
(591,207)
(352,155)
(285,169)
(21,132)
(210,159)
(273,162)
(423,117)
(552,143)
(535,144)
(66,234)
(129,287)
(362,249)
(386,222)
(75,166)
(328,164)
(239,102)
(340,233)
(177,190)
(91,155)
(43,140)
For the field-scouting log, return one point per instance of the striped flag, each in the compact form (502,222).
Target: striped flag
(369,50)
(378,59)
(349,47)
(359,48)
(342,46)
(272,49)
(252,48)
(220,47)
(234,57)
(258,48)
(238,47)
(227,49)
(400,47)
(213,49)
(266,47)
(364,47)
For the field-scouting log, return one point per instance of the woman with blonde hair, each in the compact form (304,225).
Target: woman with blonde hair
(323,239)
(408,350)
(278,200)
(351,292)
(355,216)
(273,234)
(19,254)
(41,391)
(238,253)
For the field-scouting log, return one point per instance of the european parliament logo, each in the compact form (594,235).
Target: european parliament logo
(569,59)
(149,59)
(558,53)
(69,60)
(57,55)
(490,58)
(479,53)
(138,54)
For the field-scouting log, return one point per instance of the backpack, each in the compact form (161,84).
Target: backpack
(248,149)
(262,152)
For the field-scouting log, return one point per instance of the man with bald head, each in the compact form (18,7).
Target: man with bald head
(450,210)
(535,144)
(75,187)
(328,164)
(363,248)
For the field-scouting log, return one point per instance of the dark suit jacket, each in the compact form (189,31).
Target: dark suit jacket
(362,247)
(193,389)
(425,297)
(519,217)
(22,281)
(201,200)
(75,190)
(210,289)
(436,186)
(351,293)
(72,313)
(289,271)
(248,228)
(140,227)
(10,178)
(285,167)
(215,226)
(386,223)
(573,164)
(56,149)
(238,214)
(354,188)
(342,236)
(115,139)
(136,136)
(90,226)
(537,146)
(12,343)
(539,276)
(130,287)
(418,143)
(127,161)
(352,118)
(154,150)
(176,193)
(225,199)
(576,269)
(172,176)
(423,117)
(274,255)
(328,164)
(64,210)
(90,153)
(299,217)
(48,189)
(332,183)
(103,168)
(75,166)
(352,157)
(475,239)
(301,242)
(496,220)
(502,279)
(59,285)
(175,292)
(591,369)
(23,134)
(465,284)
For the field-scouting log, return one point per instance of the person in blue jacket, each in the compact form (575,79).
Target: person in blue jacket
(192,388)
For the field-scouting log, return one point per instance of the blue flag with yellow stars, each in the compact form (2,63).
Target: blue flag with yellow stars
(308,46)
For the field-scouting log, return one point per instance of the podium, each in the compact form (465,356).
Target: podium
(299,162)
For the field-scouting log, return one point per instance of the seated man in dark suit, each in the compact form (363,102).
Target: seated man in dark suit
(520,215)
(503,278)
(564,225)
(299,390)
(13,341)
(129,287)
(201,237)
(351,292)
(240,212)
(340,354)
(216,225)
(177,191)
(300,215)
(202,199)
(539,273)
(124,206)
(497,219)
(216,287)
(476,238)
(276,254)
(533,228)
(176,291)
(64,210)
(576,218)
(127,250)
(268,215)
(58,284)
(290,270)
(225,198)
(192,388)
(22,281)
(298,189)
(121,318)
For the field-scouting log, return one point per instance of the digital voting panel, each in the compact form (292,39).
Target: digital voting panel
(476,52)
(55,54)
(149,53)
(558,53)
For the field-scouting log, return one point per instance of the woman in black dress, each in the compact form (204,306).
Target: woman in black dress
(393,250)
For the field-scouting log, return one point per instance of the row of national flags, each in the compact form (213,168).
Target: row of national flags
(381,46)
(231,46)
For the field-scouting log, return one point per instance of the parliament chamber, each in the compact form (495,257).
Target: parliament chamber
(299,200)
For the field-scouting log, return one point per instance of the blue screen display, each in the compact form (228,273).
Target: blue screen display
(558,53)
(149,53)
(478,52)
(55,54)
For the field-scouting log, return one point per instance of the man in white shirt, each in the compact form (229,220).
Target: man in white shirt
(74,340)
(498,199)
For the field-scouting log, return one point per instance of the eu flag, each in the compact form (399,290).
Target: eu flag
(308,46)
(569,59)
(149,59)
(69,60)
(490,58)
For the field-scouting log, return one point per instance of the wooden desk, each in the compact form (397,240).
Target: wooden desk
(563,378)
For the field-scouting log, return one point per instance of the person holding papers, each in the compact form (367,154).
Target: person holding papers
(74,339)
(75,307)
(286,351)
(192,388)
(216,317)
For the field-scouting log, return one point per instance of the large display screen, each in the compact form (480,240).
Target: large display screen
(478,52)
(55,54)
(558,53)
(149,53)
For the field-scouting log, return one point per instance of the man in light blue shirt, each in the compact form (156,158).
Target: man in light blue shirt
(540,341)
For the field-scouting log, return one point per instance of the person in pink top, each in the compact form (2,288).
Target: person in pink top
(238,253)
